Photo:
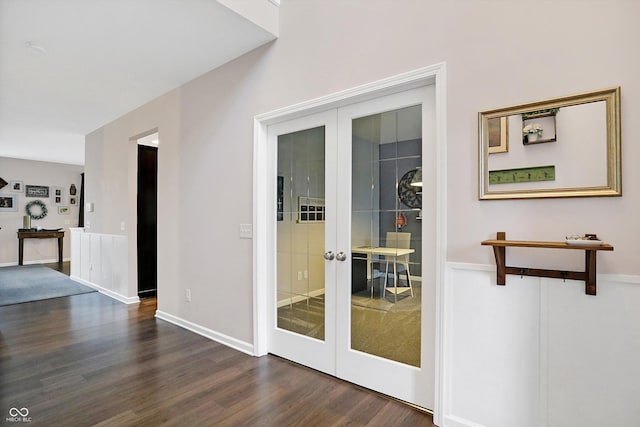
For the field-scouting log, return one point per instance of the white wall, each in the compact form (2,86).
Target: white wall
(326,46)
(111,156)
(37,173)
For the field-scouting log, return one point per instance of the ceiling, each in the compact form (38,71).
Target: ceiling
(68,67)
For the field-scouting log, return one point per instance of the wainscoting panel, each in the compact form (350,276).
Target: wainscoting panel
(593,343)
(76,250)
(95,249)
(539,352)
(492,349)
(85,256)
(101,261)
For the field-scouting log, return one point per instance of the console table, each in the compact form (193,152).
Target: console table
(45,234)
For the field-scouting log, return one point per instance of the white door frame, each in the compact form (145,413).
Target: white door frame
(263,185)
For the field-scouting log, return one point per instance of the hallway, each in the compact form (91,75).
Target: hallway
(89,360)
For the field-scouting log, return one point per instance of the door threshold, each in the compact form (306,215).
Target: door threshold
(148,294)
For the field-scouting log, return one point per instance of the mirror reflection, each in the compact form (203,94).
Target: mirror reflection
(300,232)
(386,235)
(565,147)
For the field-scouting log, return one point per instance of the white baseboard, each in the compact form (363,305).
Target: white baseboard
(107,292)
(39,261)
(207,333)
(453,421)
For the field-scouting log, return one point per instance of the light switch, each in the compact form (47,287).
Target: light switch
(246,231)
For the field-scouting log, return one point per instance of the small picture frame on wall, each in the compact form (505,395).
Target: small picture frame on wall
(63,210)
(8,203)
(56,195)
(73,201)
(37,191)
(498,135)
(17,186)
(310,209)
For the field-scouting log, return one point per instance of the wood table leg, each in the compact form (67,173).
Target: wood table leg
(60,246)
(20,251)
(590,272)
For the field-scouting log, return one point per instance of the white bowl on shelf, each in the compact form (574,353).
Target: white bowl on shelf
(583,242)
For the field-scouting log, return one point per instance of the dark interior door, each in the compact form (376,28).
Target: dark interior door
(147,221)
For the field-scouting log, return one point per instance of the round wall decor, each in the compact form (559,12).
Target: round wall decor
(36,209)
(409,195)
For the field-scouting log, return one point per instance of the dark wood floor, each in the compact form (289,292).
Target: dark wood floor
(90,360)
(64,267)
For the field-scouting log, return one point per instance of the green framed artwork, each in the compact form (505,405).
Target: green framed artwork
(533,174)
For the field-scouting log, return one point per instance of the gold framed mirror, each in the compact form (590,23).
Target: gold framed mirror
(562,147)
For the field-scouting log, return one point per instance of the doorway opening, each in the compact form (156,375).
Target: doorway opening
(147,228)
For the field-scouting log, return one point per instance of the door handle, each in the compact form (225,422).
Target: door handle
(329,255)
(341,256)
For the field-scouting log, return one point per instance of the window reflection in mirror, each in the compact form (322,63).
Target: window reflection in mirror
(565,147)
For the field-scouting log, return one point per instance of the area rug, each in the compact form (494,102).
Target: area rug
(35,282)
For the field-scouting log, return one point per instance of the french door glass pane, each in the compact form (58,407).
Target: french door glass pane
(386,232)
(300,232)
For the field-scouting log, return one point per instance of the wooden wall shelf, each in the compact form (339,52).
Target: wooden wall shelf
(550,125)
(589,275)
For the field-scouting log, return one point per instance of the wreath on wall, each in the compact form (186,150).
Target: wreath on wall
(35,215)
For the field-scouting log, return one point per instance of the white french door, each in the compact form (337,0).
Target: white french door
(353,290)
(302,299)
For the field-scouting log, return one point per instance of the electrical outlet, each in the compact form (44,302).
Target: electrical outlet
(188,295)
(299,275)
